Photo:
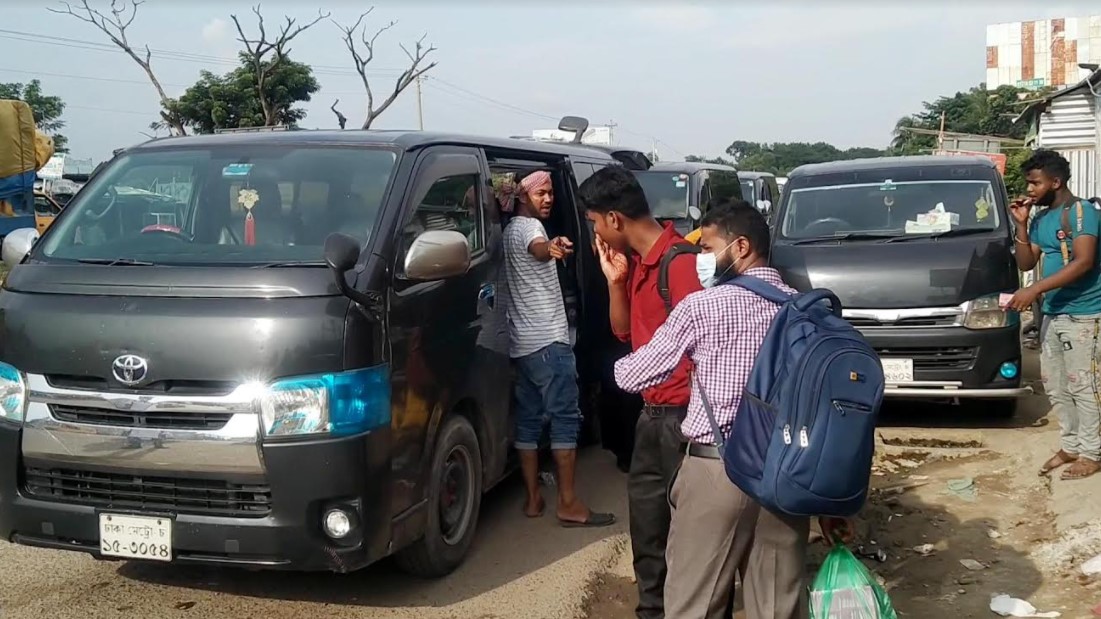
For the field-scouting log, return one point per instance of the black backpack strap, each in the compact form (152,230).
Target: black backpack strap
(663,270)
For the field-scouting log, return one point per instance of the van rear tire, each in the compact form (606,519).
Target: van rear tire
(454,503)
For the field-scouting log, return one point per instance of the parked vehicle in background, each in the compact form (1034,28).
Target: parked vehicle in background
(781,181)
(295,359)
(918,249)
(760,189)
(704,183)
(630,158)
(46,209)
(26,150)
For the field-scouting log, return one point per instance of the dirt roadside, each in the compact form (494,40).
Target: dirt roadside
(1029,533)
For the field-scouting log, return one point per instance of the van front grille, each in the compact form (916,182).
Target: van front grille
(911,322)
(162,420)
(934,358)
(154,494)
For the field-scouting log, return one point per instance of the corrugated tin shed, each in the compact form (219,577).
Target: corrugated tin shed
(1069,122)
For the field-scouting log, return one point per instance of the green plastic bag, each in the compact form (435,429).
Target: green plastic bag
(845,589)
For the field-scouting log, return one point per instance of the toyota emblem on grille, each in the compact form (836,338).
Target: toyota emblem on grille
(130,369)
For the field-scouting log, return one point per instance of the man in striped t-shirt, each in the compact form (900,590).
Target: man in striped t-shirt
(539,344)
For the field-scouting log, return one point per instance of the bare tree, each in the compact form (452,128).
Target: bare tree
(114,26)
(340,118)
(417,58)
(265,56)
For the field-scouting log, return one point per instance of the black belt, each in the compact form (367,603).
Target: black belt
(662,410)
(699,450)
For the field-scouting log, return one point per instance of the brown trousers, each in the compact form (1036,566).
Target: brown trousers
(717,531)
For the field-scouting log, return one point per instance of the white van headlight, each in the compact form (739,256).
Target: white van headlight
(13,394)
(987,313)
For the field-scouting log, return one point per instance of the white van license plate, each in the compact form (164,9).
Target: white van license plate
(898,371)
(135,537)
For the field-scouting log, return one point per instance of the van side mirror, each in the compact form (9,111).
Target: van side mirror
(437,254)
(575,124)
(765,206)
(695,214)
(17,244)
(341,252)
(341,255)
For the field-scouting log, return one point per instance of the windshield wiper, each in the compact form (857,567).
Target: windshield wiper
(289,264)
(946,233)
(851,236)
(129,262)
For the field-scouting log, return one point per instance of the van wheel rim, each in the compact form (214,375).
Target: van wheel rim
(456,495)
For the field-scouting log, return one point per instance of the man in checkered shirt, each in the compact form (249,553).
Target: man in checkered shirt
(715,527)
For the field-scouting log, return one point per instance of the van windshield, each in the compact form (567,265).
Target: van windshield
(748,193)
(666,193)
(890,209)
(226,205)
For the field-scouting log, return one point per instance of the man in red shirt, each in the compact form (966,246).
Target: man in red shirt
(624,226)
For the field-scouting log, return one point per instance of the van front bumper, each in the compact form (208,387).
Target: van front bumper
(953,362)
(302,480)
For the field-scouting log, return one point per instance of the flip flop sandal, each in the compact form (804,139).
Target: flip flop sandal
(1081,469)
(542,510)
(595,520)
(1061,458)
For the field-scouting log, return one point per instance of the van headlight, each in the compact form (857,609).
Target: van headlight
(13,394)
(986,313)
(337,404)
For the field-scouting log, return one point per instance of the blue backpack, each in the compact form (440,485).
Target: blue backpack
(804,434)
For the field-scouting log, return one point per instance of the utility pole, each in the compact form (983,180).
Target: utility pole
(940,136)
(420,104)
(611,128)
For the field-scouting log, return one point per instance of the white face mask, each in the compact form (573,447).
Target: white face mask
(705,269)
(706,266)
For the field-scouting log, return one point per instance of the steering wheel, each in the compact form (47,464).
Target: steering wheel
(825,221)
(169,231)
(112,195)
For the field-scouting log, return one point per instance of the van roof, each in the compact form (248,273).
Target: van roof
(891,163)
(689,167)
(755,175)
(402,139)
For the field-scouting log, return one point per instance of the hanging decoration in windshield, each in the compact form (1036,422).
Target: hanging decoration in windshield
(248,199)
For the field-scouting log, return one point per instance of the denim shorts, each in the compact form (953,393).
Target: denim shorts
(546,393)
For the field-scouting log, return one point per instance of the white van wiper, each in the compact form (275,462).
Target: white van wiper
(851,236)
(946,233)
(129,262)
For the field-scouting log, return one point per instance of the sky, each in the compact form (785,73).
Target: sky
(686,78)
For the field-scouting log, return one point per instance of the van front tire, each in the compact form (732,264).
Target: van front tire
(454,502)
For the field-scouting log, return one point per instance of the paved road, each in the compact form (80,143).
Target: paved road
(517,568)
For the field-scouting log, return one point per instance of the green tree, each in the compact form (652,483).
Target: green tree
(780,158)
(977,111)
(1014,180)
(231,101)
(47,109)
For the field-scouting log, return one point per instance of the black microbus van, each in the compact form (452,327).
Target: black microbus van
(276,350)
(918,249)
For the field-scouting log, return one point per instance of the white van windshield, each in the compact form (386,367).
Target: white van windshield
(232,205)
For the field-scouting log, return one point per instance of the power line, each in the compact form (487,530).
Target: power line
(113,111)
(126,81)
(44,39)
(440,85)
(491,100)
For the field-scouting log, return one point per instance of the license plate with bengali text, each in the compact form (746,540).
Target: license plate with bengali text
(135,537)
(898,371)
